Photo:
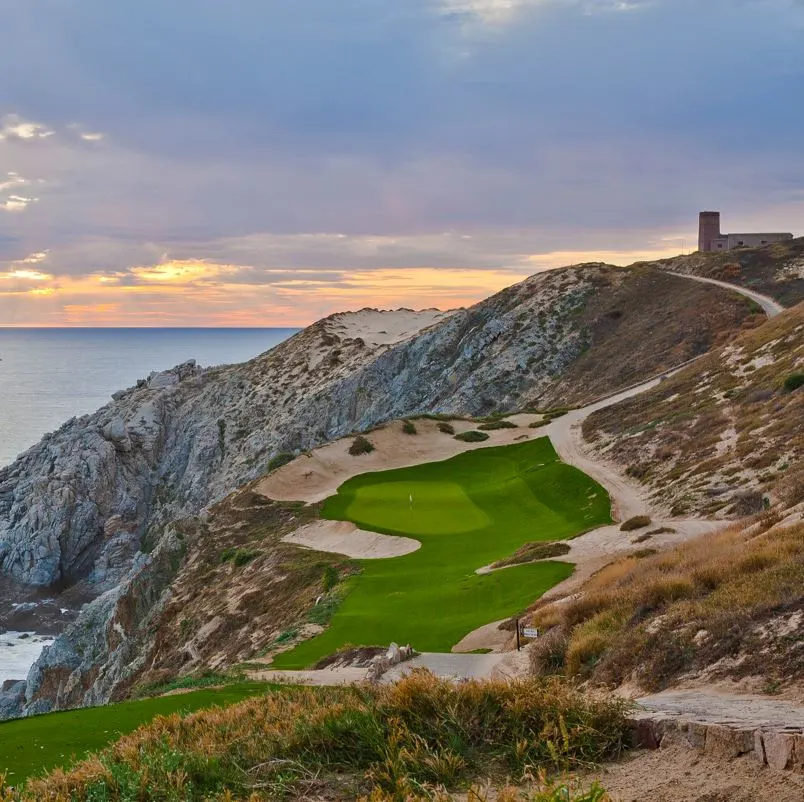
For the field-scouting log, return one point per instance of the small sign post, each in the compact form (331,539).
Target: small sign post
(531,633)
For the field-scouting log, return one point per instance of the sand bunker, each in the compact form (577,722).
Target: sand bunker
(342,537)
(318,475)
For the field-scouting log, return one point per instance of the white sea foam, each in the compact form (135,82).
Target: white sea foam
(18,653)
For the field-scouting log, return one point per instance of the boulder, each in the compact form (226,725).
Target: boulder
(779,749)
(116,432)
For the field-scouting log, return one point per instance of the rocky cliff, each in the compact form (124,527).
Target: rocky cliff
(92,507)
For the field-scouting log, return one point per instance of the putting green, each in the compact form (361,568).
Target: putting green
(417,508)
(467,512)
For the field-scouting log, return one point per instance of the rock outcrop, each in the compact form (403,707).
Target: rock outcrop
(91,505)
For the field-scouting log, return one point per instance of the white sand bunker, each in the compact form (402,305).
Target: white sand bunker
(342,537)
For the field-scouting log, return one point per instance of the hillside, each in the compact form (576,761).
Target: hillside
(722,437)
(105,506)
(775,270)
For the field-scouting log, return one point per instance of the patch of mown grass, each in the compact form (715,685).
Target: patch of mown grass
(640,619)
(31,746)
(468,511)
(391,742)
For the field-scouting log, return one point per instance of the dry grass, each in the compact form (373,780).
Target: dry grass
(531,552)
(651,619)
(722,434)
(399,742)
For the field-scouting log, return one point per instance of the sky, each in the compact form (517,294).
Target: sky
(265,162)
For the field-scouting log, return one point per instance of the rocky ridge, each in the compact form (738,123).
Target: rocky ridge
(92,505)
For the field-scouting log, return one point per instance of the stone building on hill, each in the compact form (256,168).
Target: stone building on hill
(710,239)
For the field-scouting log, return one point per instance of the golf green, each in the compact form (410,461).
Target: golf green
(467,512)
(32,746)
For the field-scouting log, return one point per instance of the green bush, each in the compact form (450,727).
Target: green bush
(472,437)
(331,577)
(497,424)
(408,427)
(446,428)
(793,382)
(283,458)
(361,445)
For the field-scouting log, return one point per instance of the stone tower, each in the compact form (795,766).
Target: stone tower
(708,229)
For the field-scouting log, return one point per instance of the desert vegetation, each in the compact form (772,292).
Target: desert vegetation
(414,740)
(361,445)
(472,436)
(651,620)
(637,522)
(531,552)
(723,436)
(495,425)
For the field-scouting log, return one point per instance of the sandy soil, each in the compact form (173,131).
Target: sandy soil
(485,637)
(342,537)
(679,774)
(377,327)
(315,476)
(320,678)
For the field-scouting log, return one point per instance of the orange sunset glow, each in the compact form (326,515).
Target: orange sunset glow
(199,292)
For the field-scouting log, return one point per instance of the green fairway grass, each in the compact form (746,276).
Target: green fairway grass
(31,746)
(467,512)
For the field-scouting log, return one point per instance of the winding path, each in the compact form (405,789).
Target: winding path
(769,306)
(628,499)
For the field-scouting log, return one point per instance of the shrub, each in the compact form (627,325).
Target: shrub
(637,522)
(497,424)
(531,552)
(472,437)
(331,577)
(386,741)
(446,428)
(238,557)
(408,427)
(361,445)
(793,382)
(539,423)
(283,458)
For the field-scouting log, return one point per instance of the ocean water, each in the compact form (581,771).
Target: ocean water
(49,375)
(18,652)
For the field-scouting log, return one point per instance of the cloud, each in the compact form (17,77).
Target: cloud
(221,151)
